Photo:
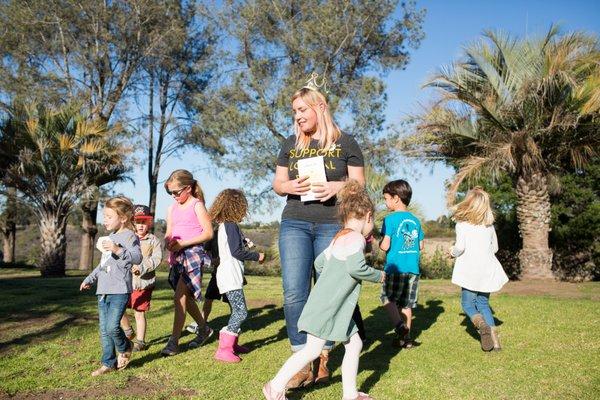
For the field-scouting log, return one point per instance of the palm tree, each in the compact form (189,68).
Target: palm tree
(53,156)
(525,107)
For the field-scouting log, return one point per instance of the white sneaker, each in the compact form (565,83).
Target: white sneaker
(192,328)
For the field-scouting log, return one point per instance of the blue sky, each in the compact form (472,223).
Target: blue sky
(449,25)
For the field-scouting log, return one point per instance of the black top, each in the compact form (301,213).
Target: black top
(342,154)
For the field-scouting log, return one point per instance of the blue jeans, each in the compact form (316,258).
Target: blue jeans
(300,242)
(477,303)
(111,308)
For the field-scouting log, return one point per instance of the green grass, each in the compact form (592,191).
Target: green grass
(49,345)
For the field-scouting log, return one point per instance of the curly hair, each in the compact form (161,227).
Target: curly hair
(124,209)
(354,202)
(229,206)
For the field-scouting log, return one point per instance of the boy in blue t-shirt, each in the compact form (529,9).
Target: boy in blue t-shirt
(402,241)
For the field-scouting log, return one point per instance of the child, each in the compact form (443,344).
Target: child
(403,242)
(143,277)
(331,303)
(188,227)
(113,275)
(477,270)
(228,210)
(212,290)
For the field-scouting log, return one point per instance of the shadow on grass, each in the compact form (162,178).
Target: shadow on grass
(377,359)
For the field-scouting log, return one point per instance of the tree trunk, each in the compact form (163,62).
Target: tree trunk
(533,214)
(53,238)
(89,208)
(9,230)
(9,238)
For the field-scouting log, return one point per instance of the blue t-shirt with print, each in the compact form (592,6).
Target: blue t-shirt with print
(404,230)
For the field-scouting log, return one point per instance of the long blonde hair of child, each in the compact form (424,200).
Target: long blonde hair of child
(327,128)
(185,178)
(124,209)
(475,209)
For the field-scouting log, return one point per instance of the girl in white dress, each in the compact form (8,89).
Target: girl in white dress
(477,270)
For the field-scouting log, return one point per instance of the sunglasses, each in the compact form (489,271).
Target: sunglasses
(176,193)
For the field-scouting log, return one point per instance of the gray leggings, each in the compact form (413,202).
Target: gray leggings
(239,312)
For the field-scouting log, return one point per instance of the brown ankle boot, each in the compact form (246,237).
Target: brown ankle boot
(322,371)
(303,378)
(496,339)
(485,332)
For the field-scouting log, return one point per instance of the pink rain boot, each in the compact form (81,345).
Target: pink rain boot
(225,351)
(238,349)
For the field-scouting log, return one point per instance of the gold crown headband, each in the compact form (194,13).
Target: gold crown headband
(313,83)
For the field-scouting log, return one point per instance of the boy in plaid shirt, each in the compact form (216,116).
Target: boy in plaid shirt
(402,241)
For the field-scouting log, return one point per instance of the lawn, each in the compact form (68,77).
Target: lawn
(49,345)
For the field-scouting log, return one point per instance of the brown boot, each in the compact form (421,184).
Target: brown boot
(303,378)
(322,371)
(485,332)
(496,339)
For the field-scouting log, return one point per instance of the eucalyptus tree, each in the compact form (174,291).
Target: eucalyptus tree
(54,156)
(87,51)
(528,108)
(275,46)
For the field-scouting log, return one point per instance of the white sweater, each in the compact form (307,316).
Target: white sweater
(476,267)
(232,254)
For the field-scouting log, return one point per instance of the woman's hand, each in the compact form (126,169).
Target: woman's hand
(83,286)
(298,186)
(325,190)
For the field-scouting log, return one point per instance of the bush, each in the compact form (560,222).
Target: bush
(437,266)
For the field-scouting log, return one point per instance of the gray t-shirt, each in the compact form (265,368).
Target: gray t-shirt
(343,153)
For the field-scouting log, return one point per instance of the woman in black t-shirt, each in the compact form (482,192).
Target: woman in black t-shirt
(308,227)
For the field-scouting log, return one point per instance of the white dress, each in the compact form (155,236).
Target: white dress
(476,267)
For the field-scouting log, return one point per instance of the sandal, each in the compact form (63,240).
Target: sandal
(139,345)
(124,358)
(102,370)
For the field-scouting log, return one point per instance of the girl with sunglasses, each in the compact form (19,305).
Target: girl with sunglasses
(188,228)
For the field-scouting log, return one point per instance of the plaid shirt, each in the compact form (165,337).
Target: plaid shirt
(188,265)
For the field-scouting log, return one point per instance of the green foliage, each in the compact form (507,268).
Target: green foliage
(276,46)
(436,266)
(576,224)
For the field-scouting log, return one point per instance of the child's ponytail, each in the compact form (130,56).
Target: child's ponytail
(185,178)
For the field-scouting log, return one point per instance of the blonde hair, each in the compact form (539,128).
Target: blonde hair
(354,202)
(475,209)
(124,209)
(328,129)
(185,178)
(229,206)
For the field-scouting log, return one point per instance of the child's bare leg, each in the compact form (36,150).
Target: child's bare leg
(393,312)
(180,308)
(206,309)
(140,324)
(194,311)
(407,312)
(125,322)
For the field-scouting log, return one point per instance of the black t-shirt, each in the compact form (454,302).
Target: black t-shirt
(342,154)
